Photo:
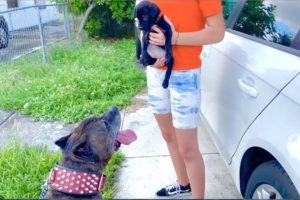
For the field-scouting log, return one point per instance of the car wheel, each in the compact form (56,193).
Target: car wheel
(270,181)
(3,34)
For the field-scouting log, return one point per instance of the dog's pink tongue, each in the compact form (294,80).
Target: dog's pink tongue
(126,136)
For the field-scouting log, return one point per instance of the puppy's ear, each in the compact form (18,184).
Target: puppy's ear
(62,141)
(153,10)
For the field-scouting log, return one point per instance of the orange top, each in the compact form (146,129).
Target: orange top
(188,16)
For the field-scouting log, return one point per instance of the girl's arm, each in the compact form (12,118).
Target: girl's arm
(212,33)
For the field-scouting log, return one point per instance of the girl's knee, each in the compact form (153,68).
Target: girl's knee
(168,136)
(188,152)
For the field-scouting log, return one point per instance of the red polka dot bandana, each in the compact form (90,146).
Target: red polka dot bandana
(74,182)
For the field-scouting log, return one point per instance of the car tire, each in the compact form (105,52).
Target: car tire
(268,181)
(3,34)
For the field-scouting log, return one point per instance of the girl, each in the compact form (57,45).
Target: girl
(194,23)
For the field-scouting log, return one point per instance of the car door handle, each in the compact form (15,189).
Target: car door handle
(247,89)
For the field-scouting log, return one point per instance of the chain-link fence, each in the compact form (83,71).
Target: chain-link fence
(32,29)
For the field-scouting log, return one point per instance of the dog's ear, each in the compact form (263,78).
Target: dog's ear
(153,10)
(83,150)
(62,141)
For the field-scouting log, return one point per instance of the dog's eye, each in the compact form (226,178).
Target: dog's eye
(83,149)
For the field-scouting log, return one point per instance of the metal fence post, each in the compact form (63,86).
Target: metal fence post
(41,34)
(10,23)
(67,22)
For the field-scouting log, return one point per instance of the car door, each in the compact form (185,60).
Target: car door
(242,74)
(230,10)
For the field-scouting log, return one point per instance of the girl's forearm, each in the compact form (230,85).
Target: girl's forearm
(212,33)
(203,37)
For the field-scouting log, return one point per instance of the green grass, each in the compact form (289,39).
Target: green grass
(110,172)
(24,169)
(78,81)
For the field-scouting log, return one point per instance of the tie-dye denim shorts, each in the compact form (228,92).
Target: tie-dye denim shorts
(182,97)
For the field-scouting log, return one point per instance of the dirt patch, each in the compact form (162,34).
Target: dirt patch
(140,101)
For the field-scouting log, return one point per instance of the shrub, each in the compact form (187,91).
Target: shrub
(110,18)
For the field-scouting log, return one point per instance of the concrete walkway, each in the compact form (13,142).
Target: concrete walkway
(147,167)
(14,126)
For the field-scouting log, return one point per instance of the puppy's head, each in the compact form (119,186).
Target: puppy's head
(146,13)
(91,142)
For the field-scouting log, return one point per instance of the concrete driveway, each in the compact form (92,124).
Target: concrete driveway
(148,165)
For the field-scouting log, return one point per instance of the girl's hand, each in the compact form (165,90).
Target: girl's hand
(157,37)
(159,63)
(174,33)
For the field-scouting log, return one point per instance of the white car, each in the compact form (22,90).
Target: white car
(251,96)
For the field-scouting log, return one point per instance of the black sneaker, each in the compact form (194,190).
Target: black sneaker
(174,190)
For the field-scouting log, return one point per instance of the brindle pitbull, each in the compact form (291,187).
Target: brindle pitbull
(86,152)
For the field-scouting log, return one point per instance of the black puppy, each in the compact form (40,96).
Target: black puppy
(148,14)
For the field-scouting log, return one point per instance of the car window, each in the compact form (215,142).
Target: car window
(276,21)
(228,7)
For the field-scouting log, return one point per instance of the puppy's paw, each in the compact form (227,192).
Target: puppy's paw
(165,84)
(144,61)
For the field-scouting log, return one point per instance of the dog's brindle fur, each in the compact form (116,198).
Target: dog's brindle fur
(148,14)
(88,148)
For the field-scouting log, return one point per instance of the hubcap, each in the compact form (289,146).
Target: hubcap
(266,191)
